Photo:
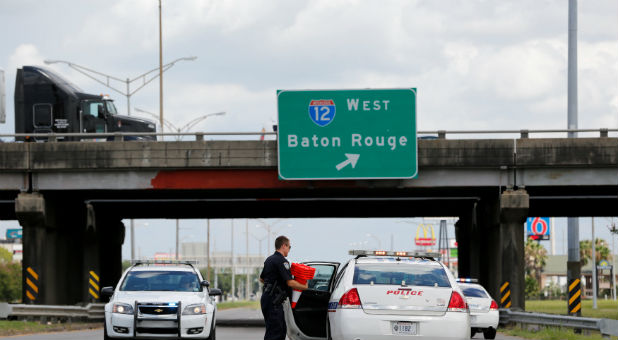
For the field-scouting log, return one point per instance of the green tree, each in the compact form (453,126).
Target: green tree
(535,259)
(5,256)
(601,248)
(10,277)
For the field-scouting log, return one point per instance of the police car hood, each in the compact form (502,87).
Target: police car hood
(185,298)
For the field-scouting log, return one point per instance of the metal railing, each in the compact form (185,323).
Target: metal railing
(90,312)
(604,326)
(439,134)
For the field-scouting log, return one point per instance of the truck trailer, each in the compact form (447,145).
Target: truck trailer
(45,102)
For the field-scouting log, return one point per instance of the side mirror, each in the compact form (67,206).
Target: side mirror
(215,292)
(107,291)
(205,284)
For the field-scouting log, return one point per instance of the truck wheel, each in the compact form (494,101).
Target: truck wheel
(489,333)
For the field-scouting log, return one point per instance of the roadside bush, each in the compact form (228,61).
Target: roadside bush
(532,288)
(10,281)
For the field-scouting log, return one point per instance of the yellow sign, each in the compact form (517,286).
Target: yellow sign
(425,240)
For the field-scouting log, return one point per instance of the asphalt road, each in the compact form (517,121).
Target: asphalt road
(223,333)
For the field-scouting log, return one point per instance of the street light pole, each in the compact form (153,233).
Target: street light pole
(160,69)
(187,126)
(145,78)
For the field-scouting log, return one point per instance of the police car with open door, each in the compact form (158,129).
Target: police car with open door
(484,314)
(380,295)
(163,300)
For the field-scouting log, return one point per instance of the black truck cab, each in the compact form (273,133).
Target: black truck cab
(45,102)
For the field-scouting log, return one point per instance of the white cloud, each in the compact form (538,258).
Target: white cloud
(25,54)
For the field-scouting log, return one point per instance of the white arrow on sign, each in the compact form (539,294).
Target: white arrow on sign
(352,159)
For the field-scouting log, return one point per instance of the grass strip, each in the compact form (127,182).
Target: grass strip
(238,304)
(550,333)
(607,309)
(27,327)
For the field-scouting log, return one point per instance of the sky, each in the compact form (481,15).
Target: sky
(476,64)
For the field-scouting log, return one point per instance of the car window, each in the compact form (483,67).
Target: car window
(177,281)
(322,277)
(410,274)
(473,292)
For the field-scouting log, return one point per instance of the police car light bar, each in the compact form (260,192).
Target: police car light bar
(187,262)
(467,280)
(359,252)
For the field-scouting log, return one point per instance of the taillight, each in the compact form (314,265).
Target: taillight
(457,303)
(350,300)
(494,305)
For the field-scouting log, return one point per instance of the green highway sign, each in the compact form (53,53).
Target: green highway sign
(347,134)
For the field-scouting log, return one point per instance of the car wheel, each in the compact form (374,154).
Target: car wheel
(489,333)
(213,331)
(105,337)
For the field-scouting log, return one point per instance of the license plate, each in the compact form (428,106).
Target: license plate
(404,328)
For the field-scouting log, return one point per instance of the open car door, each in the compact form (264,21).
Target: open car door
(308,320)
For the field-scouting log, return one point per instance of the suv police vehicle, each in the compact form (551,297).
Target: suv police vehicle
(484,314)
(380,295)
(161,299)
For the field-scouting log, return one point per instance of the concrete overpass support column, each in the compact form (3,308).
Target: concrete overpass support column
(110,234)
(463,229)
(514,205)
(31,213)
(490,259)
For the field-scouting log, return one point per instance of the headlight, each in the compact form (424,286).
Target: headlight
(122,308)
(196,309)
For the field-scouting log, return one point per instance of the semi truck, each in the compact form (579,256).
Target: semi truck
(45,102)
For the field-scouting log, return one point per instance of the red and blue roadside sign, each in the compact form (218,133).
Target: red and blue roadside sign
(537,228)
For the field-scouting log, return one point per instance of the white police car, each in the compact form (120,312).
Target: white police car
(380,295)
(484,314)
(161,299)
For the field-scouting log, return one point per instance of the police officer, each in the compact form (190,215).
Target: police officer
(277,281)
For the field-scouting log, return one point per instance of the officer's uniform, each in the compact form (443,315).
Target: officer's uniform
(275,274)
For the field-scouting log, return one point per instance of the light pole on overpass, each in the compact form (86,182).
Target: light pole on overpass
(106,79)
(185,128)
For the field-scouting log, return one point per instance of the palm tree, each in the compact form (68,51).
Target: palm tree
(536,256)
(601,248)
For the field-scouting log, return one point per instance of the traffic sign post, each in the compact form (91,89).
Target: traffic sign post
(347,134)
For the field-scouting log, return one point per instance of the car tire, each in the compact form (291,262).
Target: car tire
(105,336)
(213,331)
(489,333)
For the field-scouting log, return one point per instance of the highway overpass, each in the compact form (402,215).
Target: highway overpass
(70,197)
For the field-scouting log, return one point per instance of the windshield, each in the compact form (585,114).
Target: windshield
(177,281)
(400,274)
(111,108)
(473,291)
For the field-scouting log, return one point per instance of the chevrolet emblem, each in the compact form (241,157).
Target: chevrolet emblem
(158,310)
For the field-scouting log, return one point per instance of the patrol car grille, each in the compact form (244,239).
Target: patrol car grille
(157,330)
(158,310)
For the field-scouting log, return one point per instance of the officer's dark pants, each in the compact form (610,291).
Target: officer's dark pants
(273,318)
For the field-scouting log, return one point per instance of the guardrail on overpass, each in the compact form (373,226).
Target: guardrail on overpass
(606,327)
(440,134)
